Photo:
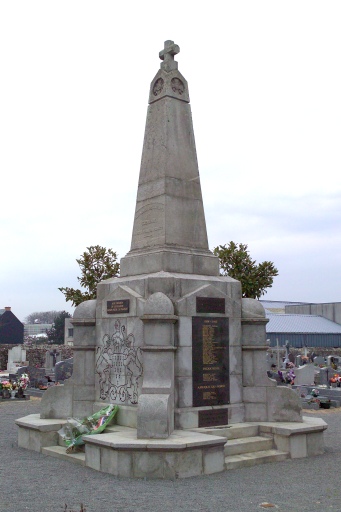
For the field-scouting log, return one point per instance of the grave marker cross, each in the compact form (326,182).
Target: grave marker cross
(167,55)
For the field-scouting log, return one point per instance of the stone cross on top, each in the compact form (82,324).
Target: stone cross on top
(167,55)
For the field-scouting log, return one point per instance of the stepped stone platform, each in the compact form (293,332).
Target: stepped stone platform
(186,453)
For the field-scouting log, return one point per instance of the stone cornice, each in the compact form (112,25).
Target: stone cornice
(159,318)
(83,322)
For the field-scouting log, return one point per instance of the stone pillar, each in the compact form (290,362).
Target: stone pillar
(263,400)
(254,348)
(84,347)
(155,414)
(77,395)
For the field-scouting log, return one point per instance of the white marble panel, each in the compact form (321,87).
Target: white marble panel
(213,460)
(185,331)
(235,362)
(298,446)
(190,463)
(148,465)
(235,389)
(184,393)
(109,461)
(183,362)
(93,457)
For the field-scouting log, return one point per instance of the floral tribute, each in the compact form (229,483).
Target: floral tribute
(6,384)
(8,387)
(74,429)
(335,379)
(23,381)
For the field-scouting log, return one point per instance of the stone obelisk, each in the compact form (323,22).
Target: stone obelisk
(169,232)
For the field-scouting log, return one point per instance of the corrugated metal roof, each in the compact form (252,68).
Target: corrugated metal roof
(301,324)
(278,304)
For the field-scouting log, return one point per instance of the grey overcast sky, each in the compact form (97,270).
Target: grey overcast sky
(264,80)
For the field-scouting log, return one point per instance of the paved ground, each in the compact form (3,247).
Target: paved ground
(34,482)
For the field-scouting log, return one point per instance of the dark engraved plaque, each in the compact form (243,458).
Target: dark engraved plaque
(213,418)
(210,361)
(210,305)
(114,307)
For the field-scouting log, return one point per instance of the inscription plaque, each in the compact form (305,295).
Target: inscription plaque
(210,305)
(115,307)
(210,361)
(213,418)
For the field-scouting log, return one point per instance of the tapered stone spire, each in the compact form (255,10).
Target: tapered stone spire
(169,232)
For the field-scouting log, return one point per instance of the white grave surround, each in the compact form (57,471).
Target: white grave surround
(16,358)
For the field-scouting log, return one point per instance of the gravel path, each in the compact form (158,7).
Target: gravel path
(37,483)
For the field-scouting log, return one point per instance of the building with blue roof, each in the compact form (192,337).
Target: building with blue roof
(298,323)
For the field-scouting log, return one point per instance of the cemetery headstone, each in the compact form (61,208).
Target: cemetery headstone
(63,370)
(16,356)
(325,374)
(291,358)
(333,362)
(305,375)
(51,358)
(36,375)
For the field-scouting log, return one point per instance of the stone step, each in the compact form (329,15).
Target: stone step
(60,453)
(254,458)
(247,445)
(235,431)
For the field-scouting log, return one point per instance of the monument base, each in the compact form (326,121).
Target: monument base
(179,261)
(186,453)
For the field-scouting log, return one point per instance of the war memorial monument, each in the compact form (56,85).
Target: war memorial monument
(171,341)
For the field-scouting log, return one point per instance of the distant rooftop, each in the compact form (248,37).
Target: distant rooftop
(278,306)
(288,323)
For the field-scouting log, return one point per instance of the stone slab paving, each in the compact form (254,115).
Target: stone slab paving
(37,483)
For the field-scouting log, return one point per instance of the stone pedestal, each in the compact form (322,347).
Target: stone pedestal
(76,397)
(155,415)
(158,315)
(263,400)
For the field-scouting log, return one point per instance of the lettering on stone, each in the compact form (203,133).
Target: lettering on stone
(210,305)
(213,418)
(210,361)
(149,223)
(115,307)
(119,366)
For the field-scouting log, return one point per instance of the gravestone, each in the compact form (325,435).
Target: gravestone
(333,360)
(325,374)
(298,361)
(51,358)
(16,357)
(319,360)
(291,358)
(305,375)
(36,375)
(63,370)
